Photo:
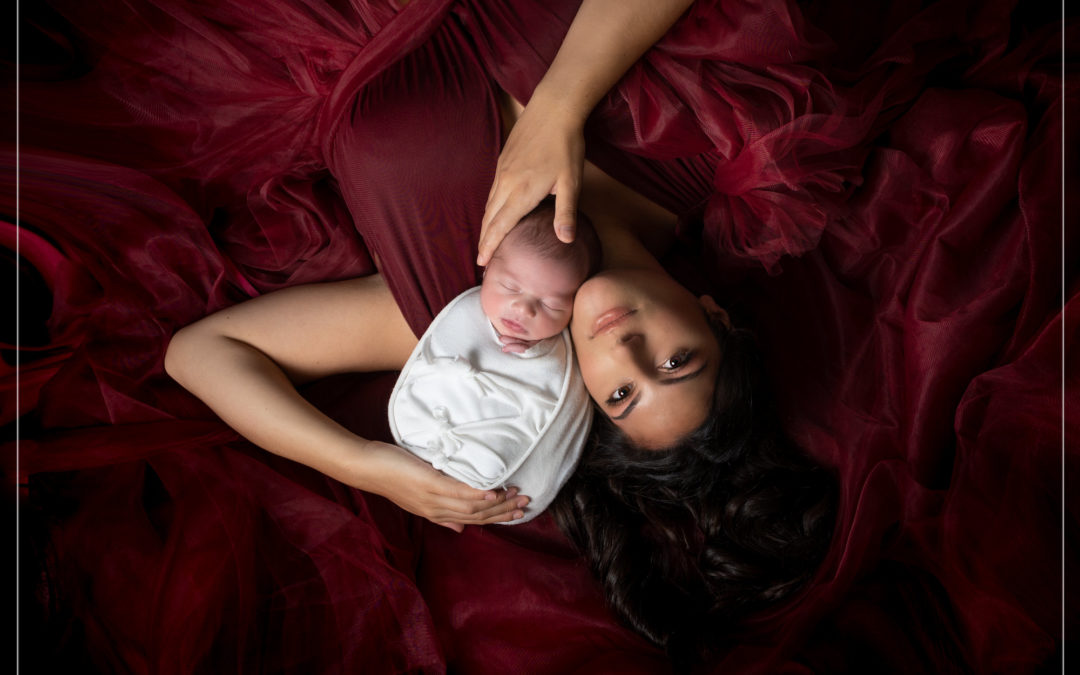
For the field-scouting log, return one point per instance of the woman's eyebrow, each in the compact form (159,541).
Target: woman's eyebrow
(629,408)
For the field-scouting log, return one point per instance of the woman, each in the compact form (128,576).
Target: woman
(664,367)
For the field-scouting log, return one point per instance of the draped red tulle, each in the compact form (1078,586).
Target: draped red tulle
(875,188)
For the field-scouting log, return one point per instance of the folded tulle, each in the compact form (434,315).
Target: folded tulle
(117,280)
(221,91)
(923,289)
(221,104)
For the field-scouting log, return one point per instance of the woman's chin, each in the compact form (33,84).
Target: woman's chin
(614,288)
(597,295)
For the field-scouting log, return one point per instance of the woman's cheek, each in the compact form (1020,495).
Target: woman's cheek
(587,364)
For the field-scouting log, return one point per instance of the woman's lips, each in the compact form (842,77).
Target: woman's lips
(610,319)
(513,326)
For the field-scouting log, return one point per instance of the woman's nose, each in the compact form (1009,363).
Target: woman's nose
(633,346)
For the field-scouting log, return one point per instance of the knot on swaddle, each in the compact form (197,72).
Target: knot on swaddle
(481,464)
(444,445)
(488,418)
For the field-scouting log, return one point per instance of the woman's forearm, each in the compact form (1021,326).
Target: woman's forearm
(604,40)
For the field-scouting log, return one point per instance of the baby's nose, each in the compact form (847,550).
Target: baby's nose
(525,306)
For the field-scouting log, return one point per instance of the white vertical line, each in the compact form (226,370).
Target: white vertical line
(1064,299)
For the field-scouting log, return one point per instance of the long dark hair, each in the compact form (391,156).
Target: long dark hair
(688,541)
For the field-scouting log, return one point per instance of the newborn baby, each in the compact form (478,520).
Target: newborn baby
(492,395)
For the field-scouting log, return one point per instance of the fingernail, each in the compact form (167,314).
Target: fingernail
(489,497)
(518,514)
(523,502)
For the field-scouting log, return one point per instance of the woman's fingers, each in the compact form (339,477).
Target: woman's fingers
(492,227)
(503,213)
(455,489)
(566,198)
(512,509)
(457,509)
(491,235)
(481,512)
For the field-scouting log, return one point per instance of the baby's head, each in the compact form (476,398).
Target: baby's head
(530,281)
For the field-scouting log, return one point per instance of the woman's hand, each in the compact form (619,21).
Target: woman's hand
(415,486)
(543,155)
(546,148)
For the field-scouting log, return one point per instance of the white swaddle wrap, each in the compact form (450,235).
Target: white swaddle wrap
(488,418)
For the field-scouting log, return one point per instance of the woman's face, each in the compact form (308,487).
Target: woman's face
(647,353)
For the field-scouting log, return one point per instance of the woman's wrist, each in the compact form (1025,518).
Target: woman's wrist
(359,464)
(560,106)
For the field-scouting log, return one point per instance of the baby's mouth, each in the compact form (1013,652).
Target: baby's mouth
(513,327)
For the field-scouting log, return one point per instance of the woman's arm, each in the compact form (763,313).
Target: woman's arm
(545,151)
(245,361)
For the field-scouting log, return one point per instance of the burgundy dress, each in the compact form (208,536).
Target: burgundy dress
(874,187)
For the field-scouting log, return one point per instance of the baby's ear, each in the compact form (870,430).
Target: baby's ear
(714,311)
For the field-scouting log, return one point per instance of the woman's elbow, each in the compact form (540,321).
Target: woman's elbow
(180,353)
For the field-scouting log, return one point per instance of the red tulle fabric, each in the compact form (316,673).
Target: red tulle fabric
(875,187)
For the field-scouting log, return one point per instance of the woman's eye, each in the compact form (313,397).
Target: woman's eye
(620,394)
(677,361)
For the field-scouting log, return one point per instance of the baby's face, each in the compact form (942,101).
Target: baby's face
(526,296)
